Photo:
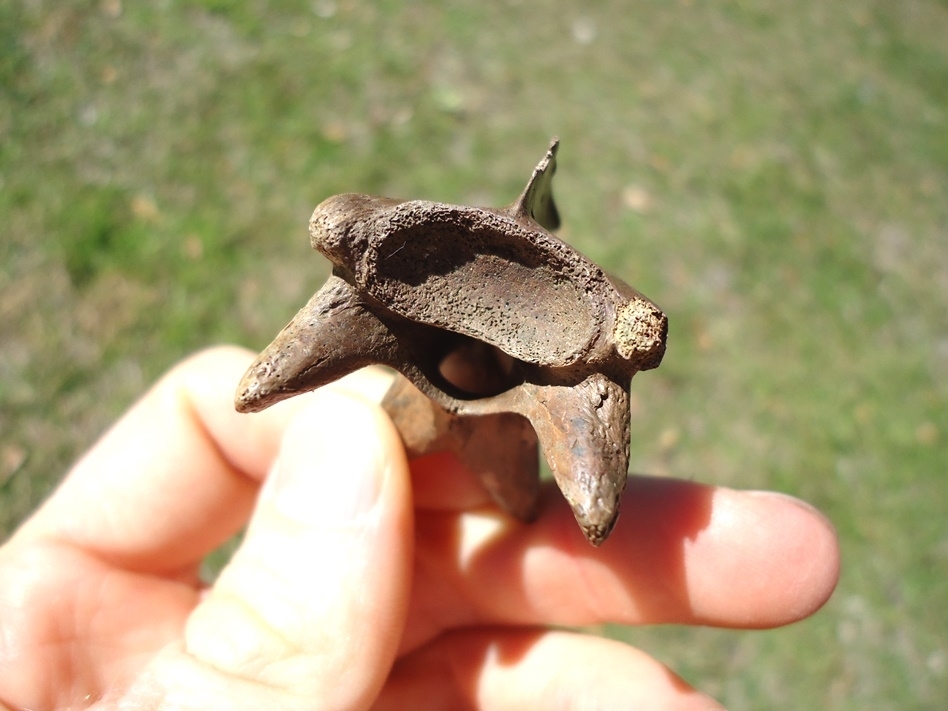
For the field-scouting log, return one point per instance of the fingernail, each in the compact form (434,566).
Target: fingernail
(781,496)
(331,467)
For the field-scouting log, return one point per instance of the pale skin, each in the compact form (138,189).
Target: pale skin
(364,581)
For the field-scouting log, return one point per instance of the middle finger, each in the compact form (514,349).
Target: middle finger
(682,552)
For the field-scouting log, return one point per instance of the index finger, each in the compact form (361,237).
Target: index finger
(178,474)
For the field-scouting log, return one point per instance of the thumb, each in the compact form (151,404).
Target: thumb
(313,603)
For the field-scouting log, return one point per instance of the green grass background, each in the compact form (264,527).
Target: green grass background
(773,173)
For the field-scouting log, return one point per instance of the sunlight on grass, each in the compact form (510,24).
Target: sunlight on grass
(774,174)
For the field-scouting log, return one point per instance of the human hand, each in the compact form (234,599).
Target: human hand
(362,582)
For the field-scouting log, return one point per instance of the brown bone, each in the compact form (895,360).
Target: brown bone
(505,335)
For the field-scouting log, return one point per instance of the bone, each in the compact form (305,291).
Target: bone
(504,335)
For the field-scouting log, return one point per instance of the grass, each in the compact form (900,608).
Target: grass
(774,174)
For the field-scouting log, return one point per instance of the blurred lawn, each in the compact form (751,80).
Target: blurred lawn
(774,174)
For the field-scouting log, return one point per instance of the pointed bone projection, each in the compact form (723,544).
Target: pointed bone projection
(504,335)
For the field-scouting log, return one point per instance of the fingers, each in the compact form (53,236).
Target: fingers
(496,671)
(441,483)
(315,598)
(682,552)
(178,474)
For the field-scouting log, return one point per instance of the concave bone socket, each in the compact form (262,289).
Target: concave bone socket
(506,336)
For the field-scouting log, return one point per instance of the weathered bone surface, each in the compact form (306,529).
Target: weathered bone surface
(506,334)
